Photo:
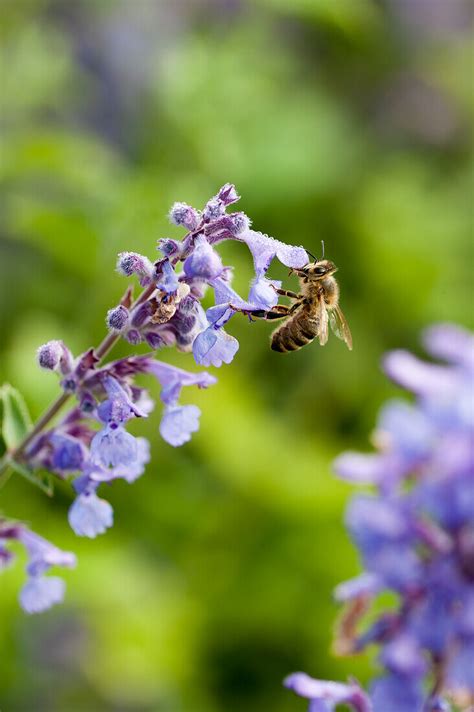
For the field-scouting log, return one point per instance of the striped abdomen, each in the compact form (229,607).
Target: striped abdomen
(298,331)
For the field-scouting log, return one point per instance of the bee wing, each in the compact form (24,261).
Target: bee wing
(340,326)
(323,321)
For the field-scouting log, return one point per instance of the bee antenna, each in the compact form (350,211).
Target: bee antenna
(322,244)
(311,255)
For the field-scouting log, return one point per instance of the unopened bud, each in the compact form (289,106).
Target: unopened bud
(228,194)
(154,340)
(213,210)
(129,263)
(169,247)
(49,355)
(142,314)
(184,215)
(133,337)
(55,356)
(238,223)
(117,318)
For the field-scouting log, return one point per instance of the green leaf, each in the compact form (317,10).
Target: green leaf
(40,478)
(16,421)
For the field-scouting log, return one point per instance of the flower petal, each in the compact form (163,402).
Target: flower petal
(89,515)
(113,447)
(213,347)
(41,592)
(178,423)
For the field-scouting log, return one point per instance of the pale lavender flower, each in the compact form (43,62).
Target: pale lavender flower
(40,592)
(415,533)
(165,276)
(265,248)
(213,347)
(89,515)
(69,454)
(325,696)
(204,262)
(113,446)
(178,422)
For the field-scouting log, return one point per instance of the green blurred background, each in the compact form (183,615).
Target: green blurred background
(342,120)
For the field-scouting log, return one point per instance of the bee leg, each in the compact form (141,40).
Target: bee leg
(295,306)
(288,293)
(280,311)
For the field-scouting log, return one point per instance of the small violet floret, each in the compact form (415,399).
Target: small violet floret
(89,515)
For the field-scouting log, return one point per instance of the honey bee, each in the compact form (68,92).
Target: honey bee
(312,310)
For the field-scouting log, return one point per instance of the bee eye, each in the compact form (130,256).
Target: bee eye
(320,270)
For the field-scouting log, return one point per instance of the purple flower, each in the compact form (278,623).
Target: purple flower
(113,446)
(133,471)
(450,343)
(173,379)
(397,693)
(416,532)
(6,557)
(42,554)
(68,453)
(178,422)
(325,696)
(262,292)
(265,248)
(204,262)
(41,592)
(165,276)
(213,347)
(89,515)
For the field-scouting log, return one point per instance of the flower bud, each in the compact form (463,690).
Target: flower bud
(184,215)
(238,223)
(169,247)
(49,355)
(133,337)
(55,356)
(228,194)
(213,210)
(129,263)
(142,314)
(117,318)
(154,340)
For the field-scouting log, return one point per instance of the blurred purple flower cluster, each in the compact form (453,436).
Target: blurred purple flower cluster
(91,443)
(415,533)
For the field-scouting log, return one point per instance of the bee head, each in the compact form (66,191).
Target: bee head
(319,269)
